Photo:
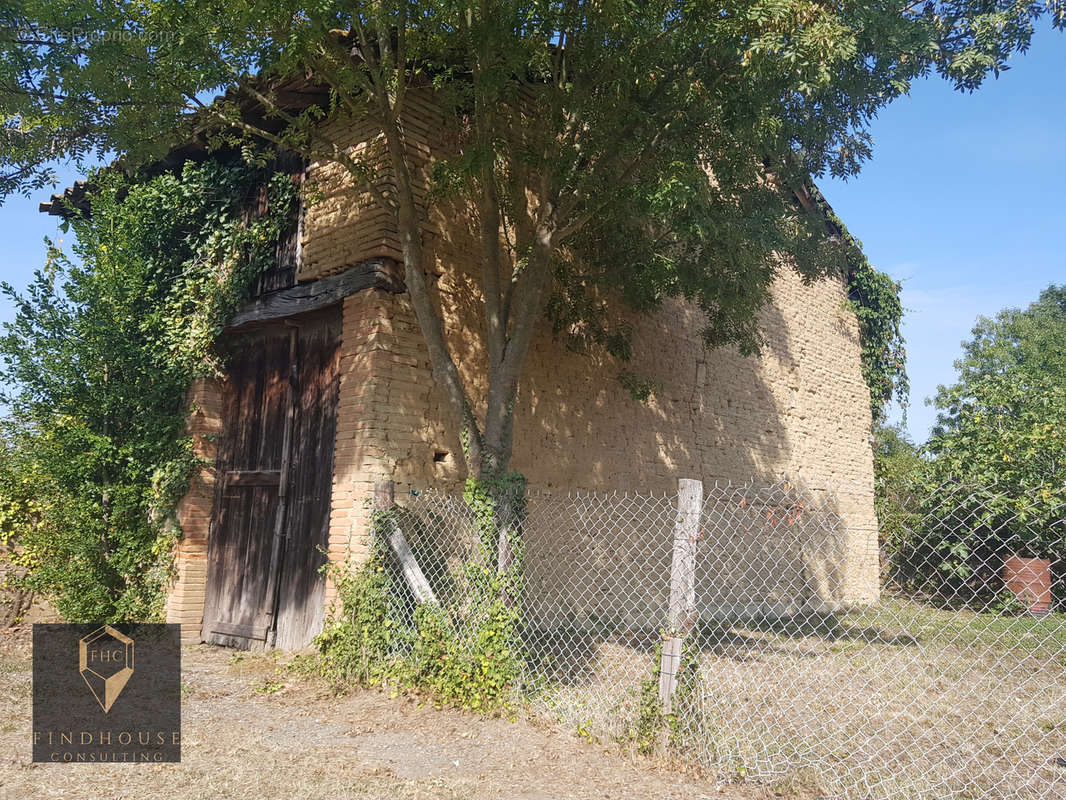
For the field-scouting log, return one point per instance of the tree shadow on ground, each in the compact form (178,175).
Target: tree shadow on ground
(574,656)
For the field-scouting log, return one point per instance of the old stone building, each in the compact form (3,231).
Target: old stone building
(350,386)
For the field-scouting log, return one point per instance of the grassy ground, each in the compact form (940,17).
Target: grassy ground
(901,701)
(252,730)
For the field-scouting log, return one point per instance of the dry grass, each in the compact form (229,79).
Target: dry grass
(901,701)
(905,701)
(251,729)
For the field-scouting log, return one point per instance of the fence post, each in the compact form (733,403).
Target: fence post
(682,609)
(384,498)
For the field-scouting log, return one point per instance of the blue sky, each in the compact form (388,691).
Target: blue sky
(963,202)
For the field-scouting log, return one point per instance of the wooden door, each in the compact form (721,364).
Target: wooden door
(274,471)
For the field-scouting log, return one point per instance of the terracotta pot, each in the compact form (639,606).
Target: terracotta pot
(1029,580)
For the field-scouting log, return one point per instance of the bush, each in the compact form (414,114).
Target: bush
(101,352)
(464,651)
(356,644)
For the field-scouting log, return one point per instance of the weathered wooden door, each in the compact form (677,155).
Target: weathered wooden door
(274,475)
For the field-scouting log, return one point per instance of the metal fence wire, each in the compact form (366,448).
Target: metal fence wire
(916,652)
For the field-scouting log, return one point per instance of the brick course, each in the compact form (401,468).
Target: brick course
(185,598)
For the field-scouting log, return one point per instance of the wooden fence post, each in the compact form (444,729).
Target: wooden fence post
(682,609)
(384,498)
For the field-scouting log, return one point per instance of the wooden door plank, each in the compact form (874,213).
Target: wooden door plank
(302,587)
(244,631)
(273,501)
(277,540)
(246,498)
(241,478)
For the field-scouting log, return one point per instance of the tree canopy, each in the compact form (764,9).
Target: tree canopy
(991,480)
(1002,424)
(650,148)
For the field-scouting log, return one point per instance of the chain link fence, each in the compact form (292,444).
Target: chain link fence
(792,638)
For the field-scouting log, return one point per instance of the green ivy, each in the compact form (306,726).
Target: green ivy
(104,345)
(647,728)
(874,298)
(465,653)
(357,643)
(650,722)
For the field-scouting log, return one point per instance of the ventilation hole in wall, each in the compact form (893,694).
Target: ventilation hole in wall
(440,456)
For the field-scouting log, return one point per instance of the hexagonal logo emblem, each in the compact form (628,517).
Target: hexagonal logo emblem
(105,661)
(93,704)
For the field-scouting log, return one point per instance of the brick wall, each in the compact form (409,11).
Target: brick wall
(800,410)
(185,599)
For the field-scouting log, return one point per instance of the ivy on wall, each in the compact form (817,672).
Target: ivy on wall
(97,363)
(874,298)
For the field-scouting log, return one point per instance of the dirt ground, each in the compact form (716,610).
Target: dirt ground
(252,731)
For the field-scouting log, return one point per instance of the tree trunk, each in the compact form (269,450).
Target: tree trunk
(511,314)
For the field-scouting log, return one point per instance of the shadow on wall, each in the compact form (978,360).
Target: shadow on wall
(713,413)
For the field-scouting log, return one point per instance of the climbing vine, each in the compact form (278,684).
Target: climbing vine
(98,361)
(874,298)
(463,650)
(357,642)
(650,721)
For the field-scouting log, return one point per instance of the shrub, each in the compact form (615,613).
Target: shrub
(464,650)
(103,347)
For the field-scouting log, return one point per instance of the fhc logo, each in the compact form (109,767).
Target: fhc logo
(105,659)
(106,693)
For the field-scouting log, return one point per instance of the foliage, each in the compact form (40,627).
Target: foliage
(1000,425)
(651,721)
(465,653)
(874,298)
(991,480)
(357,643)
(687,715)
(100,355)
(900,475)
(473,664)
(648,726)
(641,150)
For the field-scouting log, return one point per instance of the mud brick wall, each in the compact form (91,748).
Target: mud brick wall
(185,598)
(800,410)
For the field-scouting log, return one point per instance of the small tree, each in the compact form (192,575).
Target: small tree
(97,362)
(1001,427)
(991,480)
